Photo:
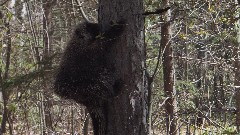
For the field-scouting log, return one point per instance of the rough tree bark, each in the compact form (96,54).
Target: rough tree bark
(170,92)
(127,113)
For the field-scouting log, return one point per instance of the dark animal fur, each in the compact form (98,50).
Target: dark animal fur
(85,75)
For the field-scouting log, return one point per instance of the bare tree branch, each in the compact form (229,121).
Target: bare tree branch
(3,3)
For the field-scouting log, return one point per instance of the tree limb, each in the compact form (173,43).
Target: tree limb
(158,11)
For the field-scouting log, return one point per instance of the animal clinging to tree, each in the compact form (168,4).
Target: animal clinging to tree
(85,75)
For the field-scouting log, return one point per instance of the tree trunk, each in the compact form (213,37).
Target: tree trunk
(47,31)
(34,46)
(5,92)
(218,91)
(199,85)
(127,113)
(237,71)
(47,52)
(169,89)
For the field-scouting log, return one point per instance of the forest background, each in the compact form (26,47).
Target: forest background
(205,40)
